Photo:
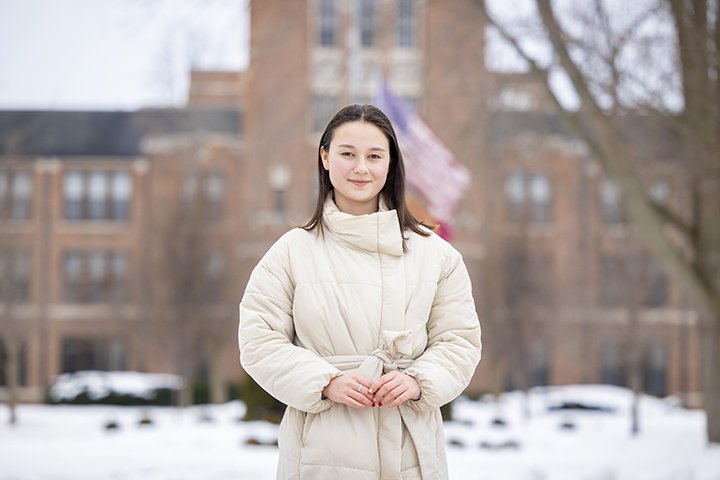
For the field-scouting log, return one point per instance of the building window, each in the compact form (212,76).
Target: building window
(539,361)
(328,23)
(97,195)
(95,276)
(73,188)
(22,367)
(515,197)
(619,286)
(613,281)
(612,365)
(104,354)
(406,23)
(214,277)
(654,370)
(539,189)
(324,107)
(279,176)
(14,277)
(206,191)
(528,197)
(656,292)
(215,195)
(367,23)
(659,191)
(121,191)
(611,203)
(528,277)
(15,195)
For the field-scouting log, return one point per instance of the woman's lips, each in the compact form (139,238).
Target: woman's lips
(360,183)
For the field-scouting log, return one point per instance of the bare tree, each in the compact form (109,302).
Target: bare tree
(194,307)
(528,287)
(15,190)
(14,328)
(680,87)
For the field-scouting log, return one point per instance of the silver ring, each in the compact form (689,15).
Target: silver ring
(359,388)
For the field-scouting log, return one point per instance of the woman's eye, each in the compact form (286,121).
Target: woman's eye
(375,157)
(346,154)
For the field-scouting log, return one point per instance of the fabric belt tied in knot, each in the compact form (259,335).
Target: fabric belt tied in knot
(382,359)
(390,437)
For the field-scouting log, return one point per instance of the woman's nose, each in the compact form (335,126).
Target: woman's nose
(360,166)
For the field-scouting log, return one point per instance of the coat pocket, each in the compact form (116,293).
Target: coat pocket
(290,433)
(340,437)
(307,425)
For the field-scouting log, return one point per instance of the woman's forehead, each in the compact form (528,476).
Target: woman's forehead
(360,135)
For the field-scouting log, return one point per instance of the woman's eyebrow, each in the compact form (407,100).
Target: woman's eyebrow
(346,145)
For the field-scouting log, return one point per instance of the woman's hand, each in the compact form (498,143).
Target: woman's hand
(394,388)
(351,390)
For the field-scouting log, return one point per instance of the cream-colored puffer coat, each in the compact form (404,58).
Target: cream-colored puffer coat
(317,306)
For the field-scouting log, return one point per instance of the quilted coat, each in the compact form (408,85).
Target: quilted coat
(320,305)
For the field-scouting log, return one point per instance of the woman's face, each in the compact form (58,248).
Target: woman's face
(357,161)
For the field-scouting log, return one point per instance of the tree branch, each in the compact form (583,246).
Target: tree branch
(672,217)
(612,154)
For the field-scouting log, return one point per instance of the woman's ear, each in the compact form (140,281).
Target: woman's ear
(324,158)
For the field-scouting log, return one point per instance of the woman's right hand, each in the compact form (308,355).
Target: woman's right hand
(351,390)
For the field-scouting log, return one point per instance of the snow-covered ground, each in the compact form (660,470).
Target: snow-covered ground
(70,442)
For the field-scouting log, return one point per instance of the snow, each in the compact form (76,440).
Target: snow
(209,442)
(101,384)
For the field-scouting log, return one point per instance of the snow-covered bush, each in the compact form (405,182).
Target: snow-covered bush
(114,388)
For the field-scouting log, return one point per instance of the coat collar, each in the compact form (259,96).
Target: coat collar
(375,232)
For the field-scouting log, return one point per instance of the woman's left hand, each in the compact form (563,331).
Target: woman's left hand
(395,388)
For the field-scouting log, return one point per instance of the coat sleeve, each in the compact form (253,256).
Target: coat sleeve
(294,375)
(453,351)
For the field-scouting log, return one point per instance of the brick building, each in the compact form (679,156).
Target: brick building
(576,284)
(88,201)
(540,219)
(542,231)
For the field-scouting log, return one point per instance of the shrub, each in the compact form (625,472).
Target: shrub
(260,404)
(114,388)
(111,425)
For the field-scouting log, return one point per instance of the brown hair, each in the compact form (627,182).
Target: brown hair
(393,192)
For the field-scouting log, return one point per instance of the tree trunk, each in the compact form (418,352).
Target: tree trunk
(709,259)
(11,371)
(633,348)
(218,394)
(711,380)
(699,124)
(186,394)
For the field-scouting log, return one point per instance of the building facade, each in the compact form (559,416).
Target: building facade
(90,200)
(564,289)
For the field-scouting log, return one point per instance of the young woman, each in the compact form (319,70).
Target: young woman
(362,321)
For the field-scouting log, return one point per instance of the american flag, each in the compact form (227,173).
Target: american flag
(430,167)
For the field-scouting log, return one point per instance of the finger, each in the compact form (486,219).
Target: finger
(361,398)
(388,377)
(402,398)
(363,384)
(363,387)
(395,392)
(378,384)
(390,385)
(353,397)
(358,392)
(351,402)
(392,398)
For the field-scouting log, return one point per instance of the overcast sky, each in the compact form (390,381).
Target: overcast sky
(114,54)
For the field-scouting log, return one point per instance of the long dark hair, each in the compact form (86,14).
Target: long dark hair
(393,192)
